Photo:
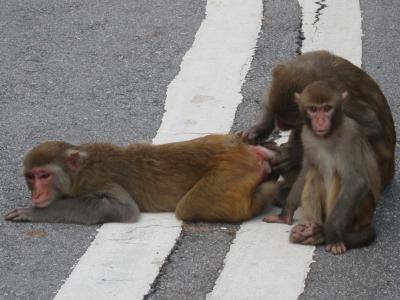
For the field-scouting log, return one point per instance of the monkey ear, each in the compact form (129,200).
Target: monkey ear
(74,159)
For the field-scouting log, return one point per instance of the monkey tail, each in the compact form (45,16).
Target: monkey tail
(360,238)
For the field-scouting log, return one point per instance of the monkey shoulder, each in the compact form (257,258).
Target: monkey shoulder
(352,133)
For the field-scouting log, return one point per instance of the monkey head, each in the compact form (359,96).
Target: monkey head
(321,105)
(47,170)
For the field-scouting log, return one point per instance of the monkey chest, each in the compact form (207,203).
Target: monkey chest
(324,161)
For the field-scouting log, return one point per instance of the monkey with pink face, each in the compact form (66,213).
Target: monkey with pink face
(213,178)
(339,183)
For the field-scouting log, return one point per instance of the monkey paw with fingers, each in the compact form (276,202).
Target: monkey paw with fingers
(20,215)
(307,234)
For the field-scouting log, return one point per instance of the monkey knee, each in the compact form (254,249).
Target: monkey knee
(183,213)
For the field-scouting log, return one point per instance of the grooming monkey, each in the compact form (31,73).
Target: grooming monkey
(365,104)
(213,178)
(339,183)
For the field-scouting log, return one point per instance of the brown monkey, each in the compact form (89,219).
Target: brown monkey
(365,104)
(339,183)
(213,178)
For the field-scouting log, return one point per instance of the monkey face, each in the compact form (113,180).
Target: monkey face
(321,118)
(41,181)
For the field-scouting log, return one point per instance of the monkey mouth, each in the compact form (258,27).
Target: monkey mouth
(321,133)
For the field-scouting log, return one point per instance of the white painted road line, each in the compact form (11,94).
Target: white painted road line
(336,27)
(124,259)
(261,263)
(204,96)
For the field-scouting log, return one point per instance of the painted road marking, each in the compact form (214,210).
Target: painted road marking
(203,97)
(124,259)
(336,27)
(261,263)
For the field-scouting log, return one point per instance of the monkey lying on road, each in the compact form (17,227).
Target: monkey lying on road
(213,178)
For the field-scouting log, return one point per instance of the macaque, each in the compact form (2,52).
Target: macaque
(339,183)
(213,178)
(365,104)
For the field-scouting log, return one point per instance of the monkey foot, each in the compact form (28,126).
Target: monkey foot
(338,248)
(278,219)
(307,234)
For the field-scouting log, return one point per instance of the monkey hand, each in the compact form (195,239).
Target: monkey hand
(20,215)
(254,135)
(271,145)
(286,159)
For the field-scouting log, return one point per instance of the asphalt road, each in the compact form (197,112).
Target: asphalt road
(90,71)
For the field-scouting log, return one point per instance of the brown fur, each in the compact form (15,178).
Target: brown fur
(213,178)
(342,180)
(366,105)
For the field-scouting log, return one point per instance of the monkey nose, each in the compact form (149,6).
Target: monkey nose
(36,196)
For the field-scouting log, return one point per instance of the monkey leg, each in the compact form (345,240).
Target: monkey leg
(360,238)
(363,231)
(338,247)
(223,195)
(349,224)
(310,231)
(311,198)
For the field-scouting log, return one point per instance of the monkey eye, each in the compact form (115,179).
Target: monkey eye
(29,176)
(312,109)
(44,175)
(327,108)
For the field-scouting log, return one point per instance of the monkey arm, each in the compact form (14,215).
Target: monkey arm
(290,154)
(114,205)
(366,117)
(340,218)
(262,129)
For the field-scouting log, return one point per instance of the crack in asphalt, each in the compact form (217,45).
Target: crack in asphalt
(318,13)
(300,37)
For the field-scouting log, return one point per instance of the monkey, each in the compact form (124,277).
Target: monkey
(339,182)
(216,178)
(365,104)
